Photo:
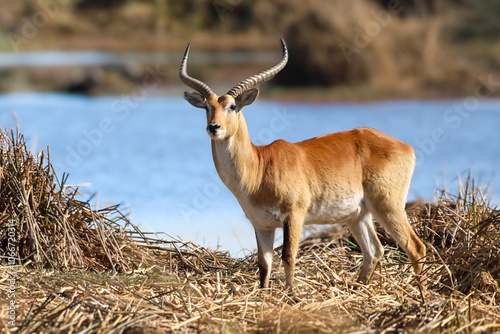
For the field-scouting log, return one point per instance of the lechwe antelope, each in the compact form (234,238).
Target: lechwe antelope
(343,177)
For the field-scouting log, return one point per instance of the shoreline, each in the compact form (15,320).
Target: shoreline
(303,95)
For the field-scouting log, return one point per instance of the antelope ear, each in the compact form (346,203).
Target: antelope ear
(196,99)
(247,97)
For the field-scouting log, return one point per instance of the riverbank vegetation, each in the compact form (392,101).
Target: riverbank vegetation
(362,49)
(69,267)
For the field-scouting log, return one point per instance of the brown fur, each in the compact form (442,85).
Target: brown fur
(341,177)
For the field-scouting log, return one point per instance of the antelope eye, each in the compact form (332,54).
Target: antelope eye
(232,106)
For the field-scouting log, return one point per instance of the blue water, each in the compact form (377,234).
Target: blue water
(55,58)
(153,154)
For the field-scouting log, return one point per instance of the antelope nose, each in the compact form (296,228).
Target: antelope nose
(213,127)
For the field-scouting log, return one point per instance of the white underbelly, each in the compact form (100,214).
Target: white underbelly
(325,212)
(337,211)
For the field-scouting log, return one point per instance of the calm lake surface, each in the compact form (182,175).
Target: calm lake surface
(153,154)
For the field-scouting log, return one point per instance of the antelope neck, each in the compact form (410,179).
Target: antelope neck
(237,161)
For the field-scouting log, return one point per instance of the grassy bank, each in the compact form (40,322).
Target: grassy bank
(360,49)
(78,269)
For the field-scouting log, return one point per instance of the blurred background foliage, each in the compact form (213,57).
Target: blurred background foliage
(367,48)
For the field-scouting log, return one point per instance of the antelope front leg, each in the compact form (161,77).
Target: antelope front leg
(292,229)
(265,241)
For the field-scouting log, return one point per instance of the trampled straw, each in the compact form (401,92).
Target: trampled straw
(90,270)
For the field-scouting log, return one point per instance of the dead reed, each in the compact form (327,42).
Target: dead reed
(54,228)
(463,234)
(85,270)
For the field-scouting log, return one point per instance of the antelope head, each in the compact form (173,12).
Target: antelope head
(223,112)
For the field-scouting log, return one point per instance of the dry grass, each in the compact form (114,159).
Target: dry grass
(82,270)
(335,46)
(400,56)
(54,229)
